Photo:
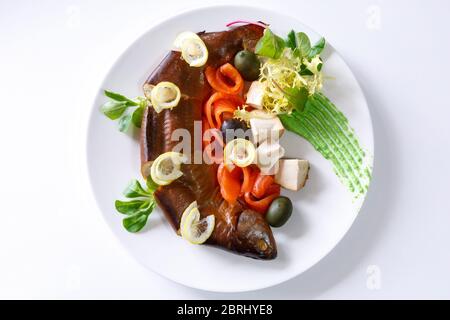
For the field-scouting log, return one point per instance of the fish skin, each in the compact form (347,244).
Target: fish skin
(237,228)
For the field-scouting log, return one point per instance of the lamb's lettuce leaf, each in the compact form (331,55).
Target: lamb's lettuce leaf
(270,45)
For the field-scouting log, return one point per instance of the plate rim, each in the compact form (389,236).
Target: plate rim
(90,120)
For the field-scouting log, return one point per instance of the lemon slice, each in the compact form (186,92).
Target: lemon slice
(193,49)
(194,229)
(186,212)
(239,151)
(148,90)
(182,37)
(194,52)
(164,95)
(166,168)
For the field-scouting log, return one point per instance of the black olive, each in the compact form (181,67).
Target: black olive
(279,212)
(247,64)
(233,129)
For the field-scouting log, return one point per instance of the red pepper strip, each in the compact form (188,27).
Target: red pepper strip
(235,172)
(262,183)
(248,180)
(225,79)
(213,144)
(218,99)
(227,116)
(262,205)
(274,188)
(222,107)
(230,185)
(220,171)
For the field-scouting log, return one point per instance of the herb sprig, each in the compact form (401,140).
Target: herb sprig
(140,207)
(128,111)
(301,45)
(306,63)
(272,46)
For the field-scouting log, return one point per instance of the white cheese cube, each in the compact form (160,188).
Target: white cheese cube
(270,171)
(292,173)
(255,94)
(267,156)
(266,129)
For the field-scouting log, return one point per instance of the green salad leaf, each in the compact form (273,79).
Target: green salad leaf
(124,122)
(135,190)
(136,222)
(114,109)
(151,185)
(137,116)
(139,209)
(304,71)
(290,40)
(317,48)
(118,97)
(297,97)
(270,45)
(128,207)
(118,106)
(301,45)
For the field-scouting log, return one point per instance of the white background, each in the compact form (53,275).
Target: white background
(53,240)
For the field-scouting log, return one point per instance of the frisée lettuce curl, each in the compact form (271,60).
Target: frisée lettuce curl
(291,64)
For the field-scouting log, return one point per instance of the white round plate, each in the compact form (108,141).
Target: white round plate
(323,210)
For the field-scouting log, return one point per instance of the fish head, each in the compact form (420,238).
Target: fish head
(255,236)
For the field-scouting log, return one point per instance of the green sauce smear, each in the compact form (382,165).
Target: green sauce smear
(328,130)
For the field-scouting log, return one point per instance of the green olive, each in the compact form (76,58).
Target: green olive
(279,212)
(247,64)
